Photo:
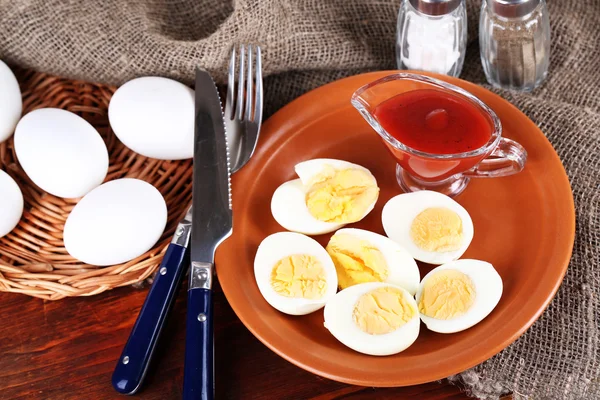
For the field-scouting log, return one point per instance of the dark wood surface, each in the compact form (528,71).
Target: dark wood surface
(67,350)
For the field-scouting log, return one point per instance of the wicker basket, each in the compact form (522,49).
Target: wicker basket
(33,259)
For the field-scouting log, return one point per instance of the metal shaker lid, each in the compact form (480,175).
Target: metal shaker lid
(435,7)
(512,8)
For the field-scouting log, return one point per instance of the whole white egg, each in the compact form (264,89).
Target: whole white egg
(279,246)
(341,320)
(116,222)
(438,243)
(11,203)
(487,285)
(11,104)
(61,152)
(401,267)
(289,201)
(154,117)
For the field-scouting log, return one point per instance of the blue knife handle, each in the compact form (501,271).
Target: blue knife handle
(198,380)
(135,358)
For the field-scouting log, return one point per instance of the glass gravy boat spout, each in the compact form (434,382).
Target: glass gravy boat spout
(443,171)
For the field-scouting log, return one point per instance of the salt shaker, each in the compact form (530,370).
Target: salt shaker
(432,36)
(514,40)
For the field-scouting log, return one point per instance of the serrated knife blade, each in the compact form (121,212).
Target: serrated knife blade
(211,198)
(211,224)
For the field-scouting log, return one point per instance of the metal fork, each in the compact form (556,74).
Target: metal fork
(242,126)
(243,119)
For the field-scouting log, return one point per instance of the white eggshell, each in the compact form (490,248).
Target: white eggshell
(283,244)
(61,152)
(11,203)
(400,211)
(116,222)
(11,104)
(488,291)
(288,206)
(403,270)
(338,320)
(154,117)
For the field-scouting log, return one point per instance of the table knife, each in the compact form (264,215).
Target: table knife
(135,357)
(211,225)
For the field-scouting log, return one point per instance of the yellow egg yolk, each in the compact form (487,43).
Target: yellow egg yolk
(447,294)
(341,195)
(382,311)
(437,229)
(356,260)
(299,275)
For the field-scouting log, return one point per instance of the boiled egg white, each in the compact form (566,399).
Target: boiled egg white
(362,256)
(431,226)
(288,206)
(329,194)
(294,273)
(116,222)
(11,203)
(457,295)
(374,318)
(61,152)
(11,104)
(154,117)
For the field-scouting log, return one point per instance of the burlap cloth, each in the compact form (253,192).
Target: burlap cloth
(307,43)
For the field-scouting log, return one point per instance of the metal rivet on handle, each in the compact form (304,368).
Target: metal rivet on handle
(163,271)
(201,317)
(126,360)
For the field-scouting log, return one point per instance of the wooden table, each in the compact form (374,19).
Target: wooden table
(67,349)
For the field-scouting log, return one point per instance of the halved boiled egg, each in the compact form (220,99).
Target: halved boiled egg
(373,318)
(329,194)
(294,273)
(457,295)
(361,256)
(431,226)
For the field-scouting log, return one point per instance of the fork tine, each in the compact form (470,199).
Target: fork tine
(230,86)
(258,108)
(249,90)
(239,108)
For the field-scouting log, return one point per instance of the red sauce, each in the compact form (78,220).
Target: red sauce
(434,121)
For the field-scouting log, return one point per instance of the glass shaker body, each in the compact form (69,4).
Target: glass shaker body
(515,52)
(434,43)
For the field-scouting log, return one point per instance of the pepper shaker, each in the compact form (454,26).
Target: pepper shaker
(514,41)
(432,36)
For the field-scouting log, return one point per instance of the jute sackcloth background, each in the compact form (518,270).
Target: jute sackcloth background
(307,43)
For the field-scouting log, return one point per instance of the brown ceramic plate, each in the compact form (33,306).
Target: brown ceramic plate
(524,226)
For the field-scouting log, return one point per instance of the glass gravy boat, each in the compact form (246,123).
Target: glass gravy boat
(445,173)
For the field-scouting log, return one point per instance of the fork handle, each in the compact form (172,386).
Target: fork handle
(198,379)
(135,358)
